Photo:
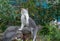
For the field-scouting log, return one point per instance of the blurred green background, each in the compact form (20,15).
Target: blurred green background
(40,11)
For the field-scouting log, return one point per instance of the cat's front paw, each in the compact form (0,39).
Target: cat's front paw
(20,29)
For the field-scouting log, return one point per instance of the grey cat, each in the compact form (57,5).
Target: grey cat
(11,31)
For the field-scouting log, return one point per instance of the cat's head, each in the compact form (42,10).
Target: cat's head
(23,10)
(18,36)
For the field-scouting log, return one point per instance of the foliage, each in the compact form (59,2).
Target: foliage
(8,14)
(50,33)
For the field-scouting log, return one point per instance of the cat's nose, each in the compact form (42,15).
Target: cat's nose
(18,37)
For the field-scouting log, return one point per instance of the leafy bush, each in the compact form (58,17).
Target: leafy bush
(50,33)
(8,14)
